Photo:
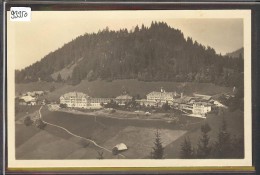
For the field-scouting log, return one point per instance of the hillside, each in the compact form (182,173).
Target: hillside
(237,53)
(155,53)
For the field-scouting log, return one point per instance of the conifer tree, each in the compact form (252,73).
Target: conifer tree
(222,147)
(28,121)
(204,148)
(158,150)
(100,155)
(186,149)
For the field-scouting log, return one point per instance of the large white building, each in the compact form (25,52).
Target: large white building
(162,96)
(98,102)
(201,108)
(123,99)
(75,99)
(157,99)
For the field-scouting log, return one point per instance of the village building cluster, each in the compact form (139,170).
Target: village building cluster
(196,105)
(81,100)
(31,98)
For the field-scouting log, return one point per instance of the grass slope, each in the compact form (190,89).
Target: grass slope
(137,134)
(53,143)
(36,86)
(32,143)
(139,140)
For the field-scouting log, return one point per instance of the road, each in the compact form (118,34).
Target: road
(92,141)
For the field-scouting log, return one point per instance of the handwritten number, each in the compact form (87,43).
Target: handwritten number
(18,14)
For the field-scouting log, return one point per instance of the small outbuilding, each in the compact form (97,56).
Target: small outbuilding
(119,148)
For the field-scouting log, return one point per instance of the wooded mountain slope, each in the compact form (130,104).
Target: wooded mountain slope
(237,54)
(155,53)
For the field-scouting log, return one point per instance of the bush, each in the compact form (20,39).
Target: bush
(63,105)
(28,121)
(40,124)
(115,151)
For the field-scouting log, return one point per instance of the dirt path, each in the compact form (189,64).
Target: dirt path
(92,141)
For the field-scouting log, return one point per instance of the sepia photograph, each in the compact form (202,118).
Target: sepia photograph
(149,88)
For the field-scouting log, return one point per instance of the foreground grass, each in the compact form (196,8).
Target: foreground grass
(32,143)
(235,123)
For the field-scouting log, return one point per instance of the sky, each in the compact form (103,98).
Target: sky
(47,31)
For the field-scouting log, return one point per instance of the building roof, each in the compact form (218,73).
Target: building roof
(155,93)
(185,99)
(145,100)
(38,92)
(203,103)
(124,97)
(28,98)
(121,147)
(75,95)
(203,97)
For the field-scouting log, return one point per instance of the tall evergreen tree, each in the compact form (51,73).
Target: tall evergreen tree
(186,149)
(158,150)
(204,148)
(222,147)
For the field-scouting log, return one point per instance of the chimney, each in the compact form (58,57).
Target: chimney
(161,89)
(175,94)
(182,95)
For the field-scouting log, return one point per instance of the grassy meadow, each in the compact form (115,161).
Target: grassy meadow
(138,135)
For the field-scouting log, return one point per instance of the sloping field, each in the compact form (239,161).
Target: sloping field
(53,143)
(138,135)
(23,133)
(140,140)
(100,128)
(23,110)
(36,86)
(100,88)
(45,146)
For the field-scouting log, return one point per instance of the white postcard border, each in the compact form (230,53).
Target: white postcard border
(247,161)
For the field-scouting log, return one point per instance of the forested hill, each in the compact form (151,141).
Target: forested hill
(237,54)
(154,53)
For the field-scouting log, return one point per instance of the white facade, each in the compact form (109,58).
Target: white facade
(75,100)
(201,108)
(96,103)
(145,102)
(162,96)
(123,99)
(27,100)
